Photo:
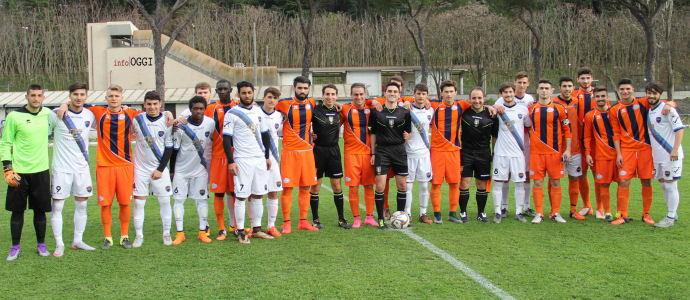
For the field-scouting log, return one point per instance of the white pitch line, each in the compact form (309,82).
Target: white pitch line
(478,278)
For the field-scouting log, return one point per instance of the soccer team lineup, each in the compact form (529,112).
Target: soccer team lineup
(239,150)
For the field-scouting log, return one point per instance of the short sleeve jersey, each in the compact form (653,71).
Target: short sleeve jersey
(152,136)
(419,143)
(511,131)
(571,108)
(114,130)
(445,125)
(275,130)
(477,130)
(356,132)
(389,125)
(216,111)
(326,126)
(630,123)
(549,123)
(663,129)
(297,124)
(71,142)
(599,136)
(193,141)
(245,125)
(25,139)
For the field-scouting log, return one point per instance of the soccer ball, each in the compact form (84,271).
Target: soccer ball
(400,220)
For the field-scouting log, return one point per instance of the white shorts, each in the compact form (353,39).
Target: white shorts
(419,168)
(190,187)
(275,182)
(62,184)
(159,187)
(670,170)
(252,178)
(505,168)
(574,166)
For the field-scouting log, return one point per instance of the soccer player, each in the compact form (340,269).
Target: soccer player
(24,153)
(549,124)
(667,151)
(245,131)
(155,147)
(390,129)
(297,164)
(417,149)
(522,98)
(479,130)
(71,173)
(599,138)
(326,126)
(509,153)
(357,152)
(584,95)
(202,89)
(189,165)
(275,181)
(445,149)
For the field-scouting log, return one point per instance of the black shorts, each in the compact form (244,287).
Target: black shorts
(476,164)
(391,157)
(34,187)
(328,162)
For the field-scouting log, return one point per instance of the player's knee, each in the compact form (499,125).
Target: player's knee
(646,182)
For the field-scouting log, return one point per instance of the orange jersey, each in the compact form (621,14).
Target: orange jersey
(297,124)
(571,109)
(445,125)
(356,133)
(549,124)
(113,130)
(599,135)
(216,111)
(382,100)
(629,122)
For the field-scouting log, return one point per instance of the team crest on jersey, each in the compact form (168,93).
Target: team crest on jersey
(428,117)
(667,173)
(531,172)
(658,119)
(308,106)
(520,175)
(286,180)
(599,176)
(623,172)
(295,107)
(623,110)
(167,188)
(213,185)
(89,189)
(348,179)
(550,109)
(476,122)
(330,119)
(366,111)
(598,117)
(87,123)
(636,106)
(391,122)
(277,125)
(520,116)
(454,107)
(161,133)
(428,174)
(121,117)
(278,183)
(202,192)
(207,133)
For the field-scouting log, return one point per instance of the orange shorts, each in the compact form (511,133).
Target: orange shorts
(220,178)
(358,170)
(297,168)
(541,164)
(637,163)
(115,181)
(605,171)
(445,165)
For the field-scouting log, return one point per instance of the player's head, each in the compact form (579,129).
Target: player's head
(449,89)
(566,86)
(654,90)
(358,93)
(203,89)
(421,94)
(521,82)
(152,103)
(224,90)
(626,89)
(271,96)
(330,94)
(245,90)
(77,94)
(477,98)
(197,106)
(544,89)
(600,97)
(397,79)
(300,86)
(392,92)
(584,77)
(35,96)
(114,97)
(507,91)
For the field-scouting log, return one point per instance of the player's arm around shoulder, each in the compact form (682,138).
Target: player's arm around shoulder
(8,134)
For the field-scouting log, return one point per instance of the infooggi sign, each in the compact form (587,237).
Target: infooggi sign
(134,62)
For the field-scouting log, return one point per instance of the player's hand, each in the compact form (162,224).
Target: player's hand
(406,136)
(170,119)
(566,156)
(268,164)
(619,161)
(181,120)
(499,108)
(234,170)
(372,159)
(407,105)
(338,107)
(62,110)
(590,161)
(125,107)
(11,177)
(377,106)
(156,175)
(427,104)
(667,108)
(313,136)
(674,154)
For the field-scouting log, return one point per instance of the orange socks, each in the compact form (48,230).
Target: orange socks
(538,195)
(555,195)
(584,191)
(436,197)
(286,203)
(454,195)
(597,195)
(125,215)
(622,203)
(303,198)
(604,199)
(646,199)
(353,196)
(106,220)
(573,192)
(369,200)
(219,208)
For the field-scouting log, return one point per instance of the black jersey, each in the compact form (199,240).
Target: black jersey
(477,130)
(326,125)
(388,125)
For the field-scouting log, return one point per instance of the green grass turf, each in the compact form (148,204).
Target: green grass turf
(580,259)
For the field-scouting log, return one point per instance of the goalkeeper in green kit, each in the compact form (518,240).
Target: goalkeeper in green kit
(24,154)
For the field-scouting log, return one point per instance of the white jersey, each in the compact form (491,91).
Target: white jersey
(418,144)
(152,136)
(662,131)
(191,139)
(275,129)
(527,100)
(246,125)
(71,142)
(511,131)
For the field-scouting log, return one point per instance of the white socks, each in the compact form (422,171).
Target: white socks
(272,212)
(138,215)
(423,197)
(178,207)
(240,208)
(528,193)
(79,220)
(672,197)
(231,209)
(202,210)
(256,210)
(56,220)
(408,198)
(498,195)
(520,197)
(166,213)
(505,191)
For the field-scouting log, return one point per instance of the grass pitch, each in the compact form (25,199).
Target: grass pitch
(579,259)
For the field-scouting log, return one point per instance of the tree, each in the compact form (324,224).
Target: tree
(157,21)
(524,11)
(669,58)
(306,24)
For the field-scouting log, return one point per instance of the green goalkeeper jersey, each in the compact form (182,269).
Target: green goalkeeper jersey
(25,139)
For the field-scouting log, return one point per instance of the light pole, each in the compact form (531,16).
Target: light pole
(26,50)
(193,36)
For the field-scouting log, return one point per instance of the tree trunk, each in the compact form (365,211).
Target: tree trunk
(536,56)
(307,57)
(669,59)
(159,58)
(422,55)
(650,59)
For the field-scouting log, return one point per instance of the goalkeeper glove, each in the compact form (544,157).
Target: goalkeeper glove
(11,177)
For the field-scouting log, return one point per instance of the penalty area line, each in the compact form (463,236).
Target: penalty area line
(478,278)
